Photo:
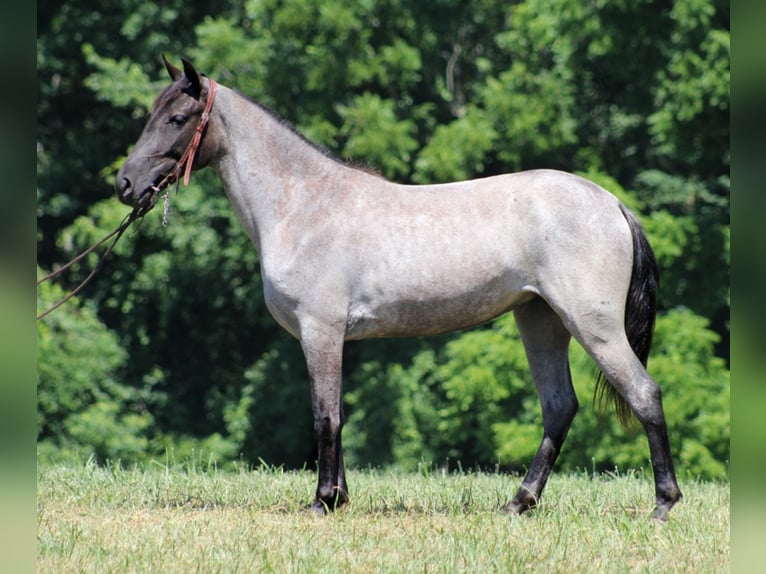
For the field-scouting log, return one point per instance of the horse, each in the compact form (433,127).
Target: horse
(346,254)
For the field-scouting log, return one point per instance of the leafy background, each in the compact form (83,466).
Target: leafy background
(171,352)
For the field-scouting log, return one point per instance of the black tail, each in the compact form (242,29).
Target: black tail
(640,313)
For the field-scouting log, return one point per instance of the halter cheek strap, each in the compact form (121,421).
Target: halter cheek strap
(194,144)
(187,159)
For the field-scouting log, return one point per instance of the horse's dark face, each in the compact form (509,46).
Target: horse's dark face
(171,126)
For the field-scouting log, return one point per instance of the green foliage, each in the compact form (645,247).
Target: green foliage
(693,93)
(456,150)
(121,82)
(696,385)
(276,407)
(171,351)
(108,434)
(372,132)
(81,405)
(689,225)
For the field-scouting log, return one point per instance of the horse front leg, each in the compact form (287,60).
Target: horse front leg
(324,358)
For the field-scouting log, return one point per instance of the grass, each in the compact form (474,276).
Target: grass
(184,519)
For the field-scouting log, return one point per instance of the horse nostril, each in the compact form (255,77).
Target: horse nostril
(124,188)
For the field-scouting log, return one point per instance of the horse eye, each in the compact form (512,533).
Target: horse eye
(177,120)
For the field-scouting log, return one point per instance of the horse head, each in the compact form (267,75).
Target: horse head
(171,138)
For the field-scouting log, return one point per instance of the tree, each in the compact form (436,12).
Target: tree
(422,92)
(82,407)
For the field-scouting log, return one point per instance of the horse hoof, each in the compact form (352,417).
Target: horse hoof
(318,508)
(516,508)
(322,508)
(660,513)
(664,503)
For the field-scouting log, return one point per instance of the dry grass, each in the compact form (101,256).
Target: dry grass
(92,519)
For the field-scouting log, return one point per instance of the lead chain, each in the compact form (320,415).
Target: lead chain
(165,208)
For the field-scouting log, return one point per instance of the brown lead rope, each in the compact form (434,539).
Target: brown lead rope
(137,213)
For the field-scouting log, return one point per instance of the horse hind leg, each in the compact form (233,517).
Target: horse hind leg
(625,372)
(546,343)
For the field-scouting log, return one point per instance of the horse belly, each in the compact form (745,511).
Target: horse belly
(419,313)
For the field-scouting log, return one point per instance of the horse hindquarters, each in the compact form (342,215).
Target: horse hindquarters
(619,343)
(638,389)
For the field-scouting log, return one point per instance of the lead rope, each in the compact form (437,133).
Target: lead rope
(136,214)
(187,159)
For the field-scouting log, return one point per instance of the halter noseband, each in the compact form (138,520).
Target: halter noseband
(187,159)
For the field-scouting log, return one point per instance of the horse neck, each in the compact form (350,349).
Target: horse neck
(266,168)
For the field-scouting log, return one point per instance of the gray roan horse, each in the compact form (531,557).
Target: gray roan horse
(348,255)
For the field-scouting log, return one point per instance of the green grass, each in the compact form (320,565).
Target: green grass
(183,519)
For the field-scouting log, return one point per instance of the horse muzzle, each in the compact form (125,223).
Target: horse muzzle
(130,195)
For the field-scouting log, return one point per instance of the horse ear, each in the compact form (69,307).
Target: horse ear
(192,75)
(175,73)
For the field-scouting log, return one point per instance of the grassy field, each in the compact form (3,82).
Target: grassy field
(181,519)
